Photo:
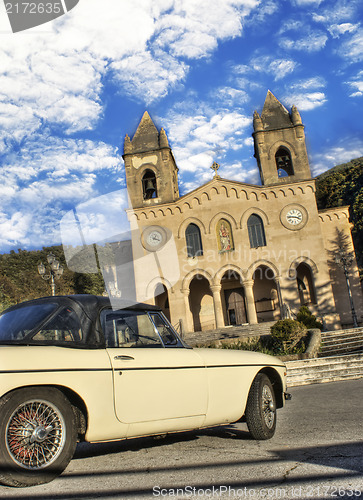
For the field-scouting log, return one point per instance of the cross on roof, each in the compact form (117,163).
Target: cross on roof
(215,167)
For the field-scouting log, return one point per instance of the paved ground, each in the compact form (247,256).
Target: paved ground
(317,452)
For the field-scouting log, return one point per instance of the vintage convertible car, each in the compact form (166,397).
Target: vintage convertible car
(74,368)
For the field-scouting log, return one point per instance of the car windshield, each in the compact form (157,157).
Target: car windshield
(125,328)
(16,324)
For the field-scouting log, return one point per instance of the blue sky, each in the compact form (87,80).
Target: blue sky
(71,89)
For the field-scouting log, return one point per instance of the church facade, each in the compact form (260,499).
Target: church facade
(245,253)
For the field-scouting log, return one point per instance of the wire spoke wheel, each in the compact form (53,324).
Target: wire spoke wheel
(35,434)
(38,436)
(268,406)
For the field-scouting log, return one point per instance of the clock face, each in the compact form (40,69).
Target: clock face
(294,217)
(154,238)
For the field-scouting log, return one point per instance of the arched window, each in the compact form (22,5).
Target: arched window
(256,231)
(193,240)
(149,185)
(284,162)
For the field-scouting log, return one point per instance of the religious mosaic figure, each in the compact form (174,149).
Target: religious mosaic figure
(225,237)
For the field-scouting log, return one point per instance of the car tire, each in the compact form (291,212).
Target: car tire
(38,436)
(261,408)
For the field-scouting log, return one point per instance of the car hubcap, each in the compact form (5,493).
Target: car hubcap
(268,406)
(35,434)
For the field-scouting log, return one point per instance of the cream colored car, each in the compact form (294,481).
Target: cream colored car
(72,368)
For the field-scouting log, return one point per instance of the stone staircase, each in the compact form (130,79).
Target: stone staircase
(340,358)
(339,342)
(329,369)
(229,332)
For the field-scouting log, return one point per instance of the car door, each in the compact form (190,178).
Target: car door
(155,377)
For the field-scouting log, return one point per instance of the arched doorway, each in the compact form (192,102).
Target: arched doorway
(234,299)
(266,294)
(305,284)
(162,299)
(201,304)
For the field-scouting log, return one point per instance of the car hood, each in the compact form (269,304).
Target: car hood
(222,357)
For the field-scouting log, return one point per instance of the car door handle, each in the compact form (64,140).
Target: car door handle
(123,357)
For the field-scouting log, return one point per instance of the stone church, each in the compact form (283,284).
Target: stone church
(244,253)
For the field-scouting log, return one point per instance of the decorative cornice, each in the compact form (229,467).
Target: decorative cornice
(230,190)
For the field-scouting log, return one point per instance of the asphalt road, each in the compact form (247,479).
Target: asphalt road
(317,452)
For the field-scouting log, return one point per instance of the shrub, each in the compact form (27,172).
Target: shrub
(287,336)
(307,318)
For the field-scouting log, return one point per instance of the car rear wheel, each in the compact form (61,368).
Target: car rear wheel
(261,408)
(37,436)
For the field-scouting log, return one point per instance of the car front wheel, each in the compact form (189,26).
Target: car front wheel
(37,436)
(261,408)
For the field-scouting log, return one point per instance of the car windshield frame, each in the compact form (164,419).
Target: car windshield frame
(18,319)
(151,319)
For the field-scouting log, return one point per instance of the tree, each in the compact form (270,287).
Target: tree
(20,280)
(343,185)
(342,256)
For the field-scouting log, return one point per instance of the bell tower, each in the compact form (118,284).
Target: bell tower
(280,148)
(151,171)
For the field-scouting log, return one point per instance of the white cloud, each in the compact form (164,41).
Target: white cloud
(191,30)
(198,163)
(307,94)
(230,96)
(337,12)
(307,3)
(336,30)
(343,152)
(14,228)
(148,78)
(238,172)
(265,9)
(277,68)
(306,101)
(292,25)
(48,174)
(352,49)
(55,76)
(316,82)
(201,138)
(41,84)
(282,67)
(357,85)
(310,42)
(100,218)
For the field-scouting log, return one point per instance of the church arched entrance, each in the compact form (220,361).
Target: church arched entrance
(266,294)
(201,304)
(234,299)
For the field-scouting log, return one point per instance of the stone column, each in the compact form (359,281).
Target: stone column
(250,302)
(187,323)
(218,310)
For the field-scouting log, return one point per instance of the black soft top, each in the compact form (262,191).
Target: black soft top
(87,308)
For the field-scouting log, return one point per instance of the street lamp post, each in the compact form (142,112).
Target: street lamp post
(55,271)
(345,261)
